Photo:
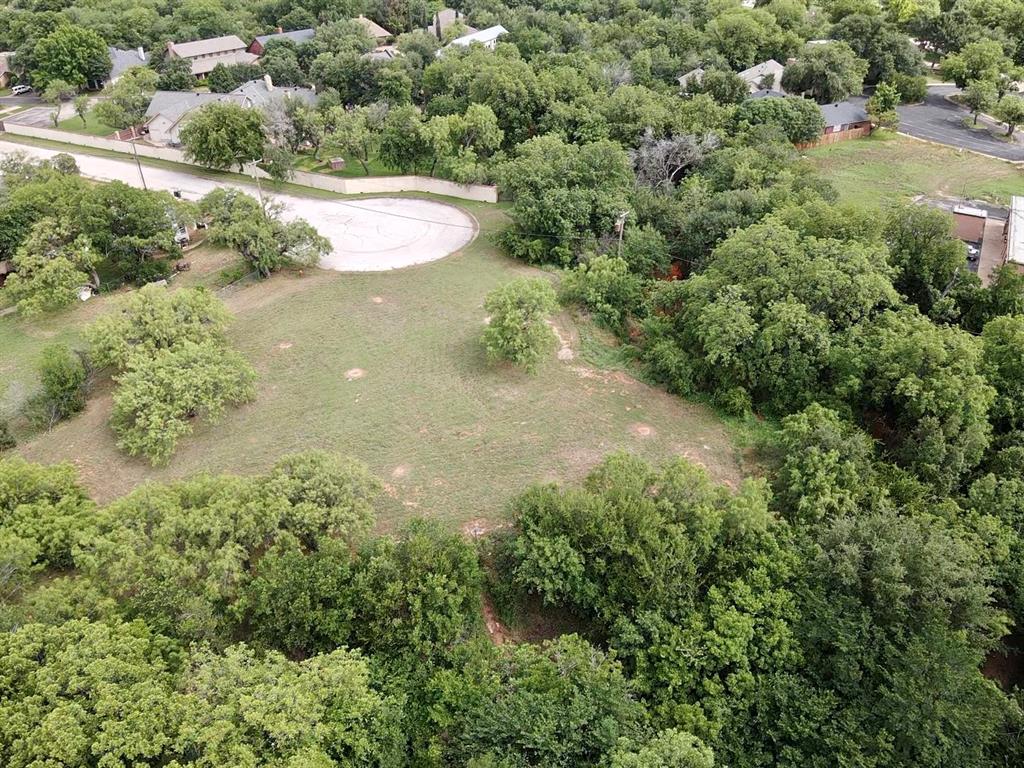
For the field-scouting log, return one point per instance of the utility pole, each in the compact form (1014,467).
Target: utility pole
(620,227)
(138,165)
(259,187)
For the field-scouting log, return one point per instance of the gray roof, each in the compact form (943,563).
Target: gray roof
(205,64)
(124,60)
(223,44)
(843,113)
(756,72)
(256,94)
(174,104)
(296,36)
(767,93)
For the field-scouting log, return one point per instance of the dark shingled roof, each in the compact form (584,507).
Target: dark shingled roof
(843,113)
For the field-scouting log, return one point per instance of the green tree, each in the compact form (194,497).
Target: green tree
(828,72)
(81,104)
(1003,366)
(604,285)
(561,703)
(517,330)
(56,93)
(354,132)
(125,102)
(182,555)
(63,375)
(44,506)
(222,135)
(52,266)
(153,319)
(176,75)
(668,749)
(926,254)
(799,119)
(1010,110)
(159,398)
(979,60)
(882,105)
(70,53)
(61,685)
(259,234)
(403,142)
(564,195)
(979,96)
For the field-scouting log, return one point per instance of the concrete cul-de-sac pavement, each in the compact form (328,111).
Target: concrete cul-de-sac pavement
(367,234)
(938,119)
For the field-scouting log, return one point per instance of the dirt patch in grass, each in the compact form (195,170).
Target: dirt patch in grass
(641,430)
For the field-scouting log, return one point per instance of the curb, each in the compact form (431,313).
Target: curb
(1015,163)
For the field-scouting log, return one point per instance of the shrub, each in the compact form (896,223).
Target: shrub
(606,287)
(517,331)
(63,376)
(912,88)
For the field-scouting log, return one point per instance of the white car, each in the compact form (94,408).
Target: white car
(21,90)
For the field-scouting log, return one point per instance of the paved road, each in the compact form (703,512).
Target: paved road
(368,235)
(941,121)
(20,101)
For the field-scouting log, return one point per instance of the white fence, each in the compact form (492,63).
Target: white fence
(346,186)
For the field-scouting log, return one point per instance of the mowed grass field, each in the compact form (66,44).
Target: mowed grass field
(886,166)
(388,368)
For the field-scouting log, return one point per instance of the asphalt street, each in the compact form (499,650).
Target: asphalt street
(941,121)
(366,234)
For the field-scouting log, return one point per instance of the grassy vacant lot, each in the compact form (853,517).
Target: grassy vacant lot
(388,367)
(873,170)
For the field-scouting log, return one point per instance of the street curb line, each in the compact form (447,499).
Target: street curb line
(1015,163)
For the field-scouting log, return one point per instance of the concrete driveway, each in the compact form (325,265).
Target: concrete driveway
(367,234)
(941,121)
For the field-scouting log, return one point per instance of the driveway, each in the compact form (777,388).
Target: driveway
(367,234)
(941,121)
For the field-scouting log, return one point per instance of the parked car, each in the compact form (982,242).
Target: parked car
(21,90)
(973,252)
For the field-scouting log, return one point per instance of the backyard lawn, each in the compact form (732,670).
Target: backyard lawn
(92,127)
(388,367)
(306,162)
(874,170)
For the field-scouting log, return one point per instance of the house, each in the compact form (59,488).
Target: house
(766,75)
(1013,234)
(168,111)
(373,29)
(695,76)
(6,73)
(297,36)
(446,18)
(383,53)
(204,55)
(6,268)
(121,61)
(844,120)
(488,38)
